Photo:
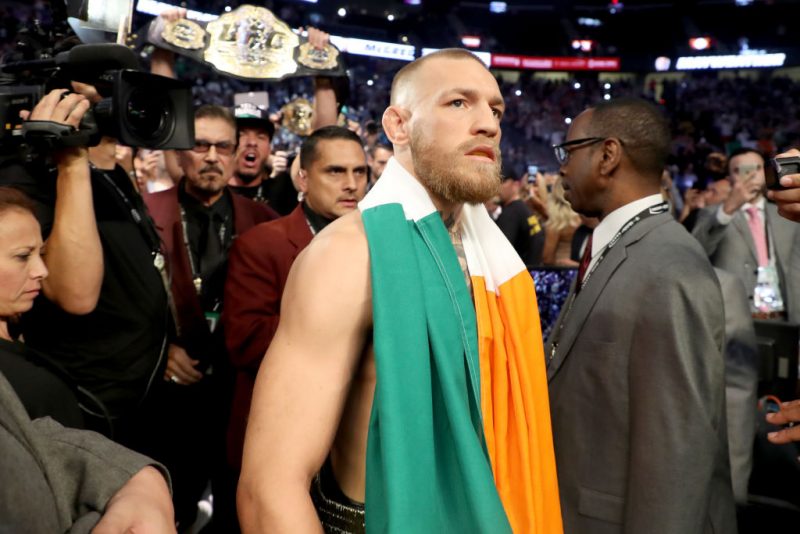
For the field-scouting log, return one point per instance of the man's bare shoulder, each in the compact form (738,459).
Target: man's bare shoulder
(343,240)
(336,260)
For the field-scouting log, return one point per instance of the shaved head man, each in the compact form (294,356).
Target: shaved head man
(403,352)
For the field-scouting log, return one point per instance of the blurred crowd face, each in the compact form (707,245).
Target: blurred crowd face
(717,192)
(378,162)
(336,180)
(21,266)
(582,188)
(208,172)
(509,189)
(455,130)
(749,167)
(253,153)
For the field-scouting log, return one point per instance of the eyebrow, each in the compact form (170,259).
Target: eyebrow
(473,94)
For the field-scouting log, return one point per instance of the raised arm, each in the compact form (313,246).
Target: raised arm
(325,109)
(304,380)
(74,253)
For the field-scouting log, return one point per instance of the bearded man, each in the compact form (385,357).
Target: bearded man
(407,372)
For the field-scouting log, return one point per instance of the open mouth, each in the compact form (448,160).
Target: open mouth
(250,157)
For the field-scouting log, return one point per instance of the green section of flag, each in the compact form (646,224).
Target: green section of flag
(427,466)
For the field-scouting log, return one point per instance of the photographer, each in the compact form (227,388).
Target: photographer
(104,314)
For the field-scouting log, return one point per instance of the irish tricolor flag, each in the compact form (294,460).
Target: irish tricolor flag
(459,437)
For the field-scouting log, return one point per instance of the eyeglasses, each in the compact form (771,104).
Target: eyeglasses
(562,154)
(224,148)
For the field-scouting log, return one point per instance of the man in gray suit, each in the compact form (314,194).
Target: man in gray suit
(745,236)
(635,365)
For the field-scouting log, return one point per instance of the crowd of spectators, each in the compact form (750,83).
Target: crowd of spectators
(708,113)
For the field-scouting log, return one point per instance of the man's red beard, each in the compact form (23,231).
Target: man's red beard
(453,176)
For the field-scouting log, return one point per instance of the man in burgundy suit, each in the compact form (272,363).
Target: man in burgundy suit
(197,221)
(333,178)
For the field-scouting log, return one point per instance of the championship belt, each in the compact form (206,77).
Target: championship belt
(297,116)
(248,43)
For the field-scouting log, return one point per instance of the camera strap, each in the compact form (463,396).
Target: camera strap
(150,234)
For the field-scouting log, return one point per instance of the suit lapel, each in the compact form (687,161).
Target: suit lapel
(571,321)
(740,223)
(297,230)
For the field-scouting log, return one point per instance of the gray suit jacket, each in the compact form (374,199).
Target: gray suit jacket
(637,392)
(55,479)
(731,248)
(741,381)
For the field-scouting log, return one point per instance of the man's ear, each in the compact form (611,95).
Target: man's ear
(395,124)
(302,180)
(612,156)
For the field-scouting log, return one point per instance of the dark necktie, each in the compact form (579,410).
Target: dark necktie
(585,261)
(212,252)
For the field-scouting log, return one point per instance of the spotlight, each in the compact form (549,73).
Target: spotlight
(606,85)
(568,120)
(518,92)
(576,85)
(606,96)
(227,9)
(497,7)
(390,17)
(342,12)
(700,43)
(370,83)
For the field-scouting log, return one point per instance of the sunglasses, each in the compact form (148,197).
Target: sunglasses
(562,152)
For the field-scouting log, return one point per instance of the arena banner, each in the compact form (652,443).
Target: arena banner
(249,43)
(510,61)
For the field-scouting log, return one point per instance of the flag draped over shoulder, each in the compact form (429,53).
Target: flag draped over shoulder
(459,436)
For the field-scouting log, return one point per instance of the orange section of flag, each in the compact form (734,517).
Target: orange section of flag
(515,404)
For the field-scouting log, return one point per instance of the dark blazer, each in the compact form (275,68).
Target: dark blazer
(258,266)
(637,391)
(194,335)
(731,248)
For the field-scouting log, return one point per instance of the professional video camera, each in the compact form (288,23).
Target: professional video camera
(139,109)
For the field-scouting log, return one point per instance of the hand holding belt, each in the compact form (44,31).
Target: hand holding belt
(249,43)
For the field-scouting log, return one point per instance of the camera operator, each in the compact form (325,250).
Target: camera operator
(104,314)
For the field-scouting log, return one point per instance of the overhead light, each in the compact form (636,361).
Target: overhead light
(342,12)
(227,9)
(743,3)
(390,17)
(497,7)
(576,85)
(518,92)
(404,38)
(606,85)
(615,6)
(471,41)
(412,2)
(663,63)
(370,83)
(700,43)
(584,45)
(606,96)
(568,120)
(587,21)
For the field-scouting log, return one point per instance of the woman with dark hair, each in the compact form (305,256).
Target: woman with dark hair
(22,271)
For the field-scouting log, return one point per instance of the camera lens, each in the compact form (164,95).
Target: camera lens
(146,116)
